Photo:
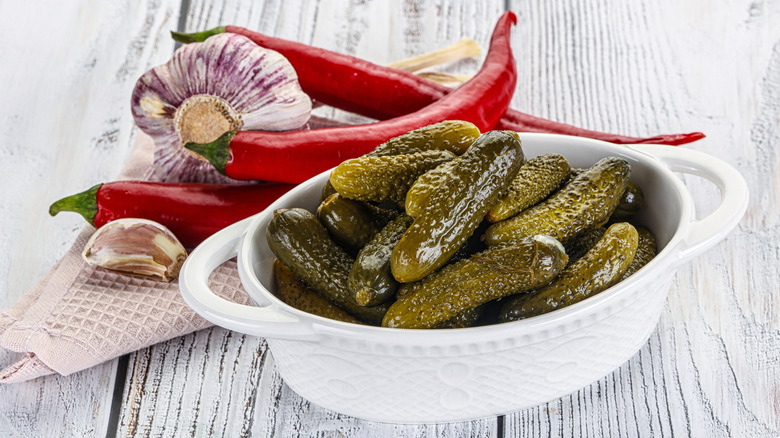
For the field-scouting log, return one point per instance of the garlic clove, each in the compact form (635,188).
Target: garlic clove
(136,246)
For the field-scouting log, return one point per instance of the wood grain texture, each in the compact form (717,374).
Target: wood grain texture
(65,125)
(710,369)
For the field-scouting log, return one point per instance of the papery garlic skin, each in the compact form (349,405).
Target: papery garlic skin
(224,83)
(136,246)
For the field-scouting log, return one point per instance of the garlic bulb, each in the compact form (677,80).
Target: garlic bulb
(225,83)
(136,246)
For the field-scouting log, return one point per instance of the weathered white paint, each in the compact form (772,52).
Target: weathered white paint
(638,68)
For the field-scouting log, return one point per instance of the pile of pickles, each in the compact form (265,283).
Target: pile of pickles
(445,227)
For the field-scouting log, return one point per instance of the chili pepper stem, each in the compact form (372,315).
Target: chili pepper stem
(217,152)
(197,37)
(84,203)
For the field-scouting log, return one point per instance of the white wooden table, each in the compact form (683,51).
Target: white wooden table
(712,367)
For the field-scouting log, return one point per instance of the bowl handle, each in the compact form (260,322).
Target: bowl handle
(711,229)
(267,321)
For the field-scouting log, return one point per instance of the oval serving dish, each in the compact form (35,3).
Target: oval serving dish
(424,376)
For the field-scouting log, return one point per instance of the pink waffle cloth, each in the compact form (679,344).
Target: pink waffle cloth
(78,315)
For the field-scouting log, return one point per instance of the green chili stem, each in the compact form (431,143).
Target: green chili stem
(217,152)
(84,203)
(197,37)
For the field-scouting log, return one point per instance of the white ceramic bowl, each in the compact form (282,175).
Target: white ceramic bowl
(420,376)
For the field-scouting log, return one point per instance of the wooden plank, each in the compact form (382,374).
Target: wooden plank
(66,125)
(710,368)
(220,383)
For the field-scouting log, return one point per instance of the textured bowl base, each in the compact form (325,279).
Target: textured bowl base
(470,386)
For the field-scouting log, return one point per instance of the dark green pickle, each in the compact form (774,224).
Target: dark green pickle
(386,178)
(348,222)
(480,176)
(498,271)
(450,135)
(296,293)
(302,243)
(583,243)
(370,279)
(630,203)
(587,201)
(602,267)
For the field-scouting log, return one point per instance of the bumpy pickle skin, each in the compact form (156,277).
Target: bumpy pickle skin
(301,242)
(386,178)
(450,135)
(645,251)
(538,177)
(587,201)
(480,176)
(370,280)
(498,271)
(348,221)
(602,267)
(583,243)
(296,293)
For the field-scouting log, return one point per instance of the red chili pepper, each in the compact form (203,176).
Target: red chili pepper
(299,155)
(358,86)
(192,211)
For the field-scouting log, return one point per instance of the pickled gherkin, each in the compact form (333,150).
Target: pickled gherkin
(386,178)
(478,178)
(600,268)
(645,251)
(450,135)
(587,201)
(630,203)
(370,279)
(496,272)
(300,242)
(296,293)
(538,177)
(348,222)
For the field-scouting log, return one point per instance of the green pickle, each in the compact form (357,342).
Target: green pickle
(370,279)
(587,201)
(496,272)
(583,243)
(450,135)
(538,177)
(349,222)
(478,178)
(302,243)
(385,178)
(602,267)
(645,251)
(630,203)
(294,292)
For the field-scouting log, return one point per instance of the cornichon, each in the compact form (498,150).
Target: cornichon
(450,135)
(600,268)
(296,293)
(480,176)
(645,251)
(537,178)
(494,273)
(585,202)
(630,203)
(370,279)
(385,178)
(348,221)
(302,244)
(583,243)
(466,318)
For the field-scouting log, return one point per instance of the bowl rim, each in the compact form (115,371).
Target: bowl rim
(599,303)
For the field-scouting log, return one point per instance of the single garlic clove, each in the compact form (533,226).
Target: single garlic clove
(136,246)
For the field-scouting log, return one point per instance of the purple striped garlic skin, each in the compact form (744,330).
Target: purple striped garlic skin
(224,83)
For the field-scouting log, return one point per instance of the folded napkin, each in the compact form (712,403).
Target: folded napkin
(78,315)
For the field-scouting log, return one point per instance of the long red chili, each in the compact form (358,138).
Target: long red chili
(296,156)
(372,90)
(192,211)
